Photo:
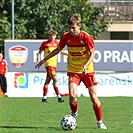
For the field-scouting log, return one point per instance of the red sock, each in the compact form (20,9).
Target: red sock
(56,90)
(74,107)
(45,90)
(98,112)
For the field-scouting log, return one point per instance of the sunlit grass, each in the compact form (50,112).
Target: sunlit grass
(30,115)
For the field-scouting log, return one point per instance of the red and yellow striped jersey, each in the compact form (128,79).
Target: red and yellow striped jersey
(48,47)
(78,51)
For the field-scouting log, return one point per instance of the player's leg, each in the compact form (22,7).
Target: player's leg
(97,107)
(55,80)
(73,101)
(74,81)
(52,74)
(46,84)
(96,102)
(90,83)
(4,86)
(45,89)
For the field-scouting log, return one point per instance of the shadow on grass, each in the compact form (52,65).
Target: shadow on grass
(18,127)
(30,127)
(50,129)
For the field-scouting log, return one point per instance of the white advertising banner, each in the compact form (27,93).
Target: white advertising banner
(22,84)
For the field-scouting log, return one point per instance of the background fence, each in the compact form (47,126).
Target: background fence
(118,10)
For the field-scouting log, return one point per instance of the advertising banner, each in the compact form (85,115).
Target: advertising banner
(22,84)
(21,55)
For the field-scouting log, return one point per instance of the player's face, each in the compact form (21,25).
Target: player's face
(74,29)
(52,37)
(1,56)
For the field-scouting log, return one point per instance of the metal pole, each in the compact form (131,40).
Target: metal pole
(12,19)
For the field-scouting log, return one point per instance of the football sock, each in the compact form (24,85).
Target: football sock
(58,96)
(56,90)
(100,121)
(73,107)
(98,112)
(44,97)
(45,90)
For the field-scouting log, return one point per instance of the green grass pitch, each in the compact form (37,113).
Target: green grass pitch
(30,115)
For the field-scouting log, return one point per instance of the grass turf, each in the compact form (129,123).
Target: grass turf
(30,115)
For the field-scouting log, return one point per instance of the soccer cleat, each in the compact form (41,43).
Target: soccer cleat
(45,100)
(5,95)
(74,114)
(101,125)
(60,100)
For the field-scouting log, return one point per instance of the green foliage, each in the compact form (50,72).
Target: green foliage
(34,18)
(5,25)
(30,115)
(5,29)
(94,21)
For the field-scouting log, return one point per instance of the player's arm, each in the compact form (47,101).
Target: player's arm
(90,59)
(6,70)
(53,53)
(39,56)
(63,53)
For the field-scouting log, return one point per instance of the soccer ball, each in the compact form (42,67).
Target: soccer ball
(68,122)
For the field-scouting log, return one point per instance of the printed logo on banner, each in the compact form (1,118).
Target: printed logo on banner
(18,55)
(21,80)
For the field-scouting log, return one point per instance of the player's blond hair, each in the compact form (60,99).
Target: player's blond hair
(53,32)
(74,19)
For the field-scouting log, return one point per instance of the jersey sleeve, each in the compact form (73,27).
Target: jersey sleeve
(62,42)
(89,42)
(5,62)
(42,47)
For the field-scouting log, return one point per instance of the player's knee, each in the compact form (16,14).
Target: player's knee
(73,96)
(55,80)
(72,99)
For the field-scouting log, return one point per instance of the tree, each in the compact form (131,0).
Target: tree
(5,25)
(95,23)
(34,18)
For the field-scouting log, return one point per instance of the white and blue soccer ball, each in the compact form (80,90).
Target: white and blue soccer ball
(68,122)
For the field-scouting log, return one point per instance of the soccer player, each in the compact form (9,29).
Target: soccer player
(3,72)
(50,65)
(80,67)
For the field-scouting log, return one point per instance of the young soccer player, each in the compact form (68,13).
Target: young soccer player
(50,65)
(80,47)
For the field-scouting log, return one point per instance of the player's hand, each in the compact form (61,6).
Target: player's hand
(38,64)
(84,70)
